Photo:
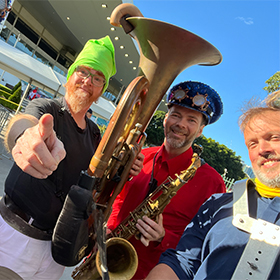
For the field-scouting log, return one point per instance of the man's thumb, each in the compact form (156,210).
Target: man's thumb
(46,126)
(160,219)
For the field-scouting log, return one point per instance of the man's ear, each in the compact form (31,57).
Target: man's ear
(200,131)
(165,118)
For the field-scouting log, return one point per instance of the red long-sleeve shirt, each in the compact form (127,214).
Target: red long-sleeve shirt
(177,214)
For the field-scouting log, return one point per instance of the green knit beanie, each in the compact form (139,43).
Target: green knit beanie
(98,54)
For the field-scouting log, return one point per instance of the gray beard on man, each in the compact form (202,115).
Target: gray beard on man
(176,143)
(270,182)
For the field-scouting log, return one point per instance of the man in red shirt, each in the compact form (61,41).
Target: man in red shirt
(192,106)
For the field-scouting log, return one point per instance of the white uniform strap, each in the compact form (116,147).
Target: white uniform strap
(262,249)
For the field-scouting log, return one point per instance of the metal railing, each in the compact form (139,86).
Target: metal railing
(228,182)
(5,115)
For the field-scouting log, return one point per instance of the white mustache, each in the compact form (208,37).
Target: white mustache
(268,157)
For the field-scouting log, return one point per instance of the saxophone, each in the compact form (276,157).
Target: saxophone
(118,248)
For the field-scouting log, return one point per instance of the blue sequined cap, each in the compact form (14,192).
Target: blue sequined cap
(199,97)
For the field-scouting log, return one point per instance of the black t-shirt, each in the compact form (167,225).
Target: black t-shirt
(37,196)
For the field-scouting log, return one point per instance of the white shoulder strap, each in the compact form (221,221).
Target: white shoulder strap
(262,249)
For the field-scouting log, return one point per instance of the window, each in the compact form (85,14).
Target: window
(11,17)
(42,59)
(27,31)
(5,33)
(47,49)
(30,44)
(64,61)
(12,39)
(58,70)
(21,45)
(109,96)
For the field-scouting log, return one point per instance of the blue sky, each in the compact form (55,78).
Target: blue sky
(247,33)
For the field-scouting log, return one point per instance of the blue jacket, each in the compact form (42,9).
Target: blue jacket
(211,246)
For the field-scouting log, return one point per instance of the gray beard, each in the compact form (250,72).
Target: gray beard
(272,183)
(175,143)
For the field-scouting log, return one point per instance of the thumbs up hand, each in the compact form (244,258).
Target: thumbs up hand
(38,151)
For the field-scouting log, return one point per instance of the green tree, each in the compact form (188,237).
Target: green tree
(102,128)
(220,157)
(155,130)
(273,83)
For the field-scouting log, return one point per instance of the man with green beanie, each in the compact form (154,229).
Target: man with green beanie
(51,144)
(98,55)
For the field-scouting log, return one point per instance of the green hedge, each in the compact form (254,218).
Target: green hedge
(15,88)
(9,104)
(4,94)
(6,89)
(15,97)
(12,98)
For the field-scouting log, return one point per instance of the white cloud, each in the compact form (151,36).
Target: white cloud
(248,20)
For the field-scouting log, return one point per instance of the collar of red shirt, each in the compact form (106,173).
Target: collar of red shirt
(183,159)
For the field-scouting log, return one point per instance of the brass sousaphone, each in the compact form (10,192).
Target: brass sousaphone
(165,51)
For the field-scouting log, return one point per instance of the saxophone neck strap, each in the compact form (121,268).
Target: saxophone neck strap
(153,182)
(262,249)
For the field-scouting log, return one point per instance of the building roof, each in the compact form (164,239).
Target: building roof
(72,23)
